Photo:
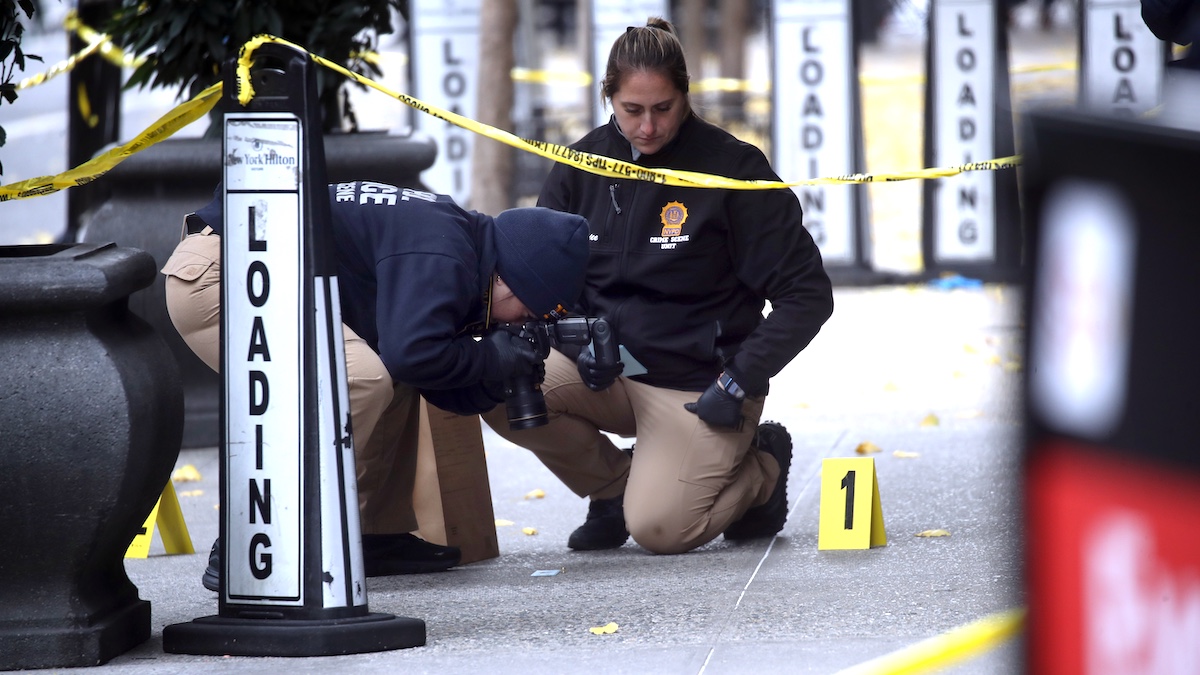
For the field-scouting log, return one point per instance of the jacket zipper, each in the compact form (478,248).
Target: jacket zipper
(609,225)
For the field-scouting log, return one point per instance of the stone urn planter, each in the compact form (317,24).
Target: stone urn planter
(91,417)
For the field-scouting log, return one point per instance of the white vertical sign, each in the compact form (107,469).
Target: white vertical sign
(964,128)
(813,116)
(261,295)
(1121,61)
(445,35)
(610,18)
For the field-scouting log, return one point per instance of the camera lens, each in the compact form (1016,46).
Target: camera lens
(526,405)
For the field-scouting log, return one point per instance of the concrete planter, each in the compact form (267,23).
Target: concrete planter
(91,413)
(153,190)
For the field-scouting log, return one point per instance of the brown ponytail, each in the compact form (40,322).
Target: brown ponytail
(653,47)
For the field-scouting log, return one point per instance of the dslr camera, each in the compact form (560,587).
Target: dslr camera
(523,395)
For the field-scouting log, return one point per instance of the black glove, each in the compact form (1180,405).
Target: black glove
(596,376)
(511,356)
(718,407)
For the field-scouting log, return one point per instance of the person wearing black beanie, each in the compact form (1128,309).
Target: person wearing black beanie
(420,281)
(540,263)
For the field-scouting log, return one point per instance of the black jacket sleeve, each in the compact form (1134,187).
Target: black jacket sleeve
(419,338)
(775,256)
(470,400)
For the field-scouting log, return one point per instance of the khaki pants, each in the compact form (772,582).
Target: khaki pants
(384,417)
(687,481)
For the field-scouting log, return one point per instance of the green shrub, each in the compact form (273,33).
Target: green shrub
(186,42)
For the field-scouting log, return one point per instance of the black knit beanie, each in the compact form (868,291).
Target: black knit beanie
(542,255)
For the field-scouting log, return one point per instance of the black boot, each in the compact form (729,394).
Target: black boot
(604,527)
(767,519)
(383,555)
(211,579)
(388,554)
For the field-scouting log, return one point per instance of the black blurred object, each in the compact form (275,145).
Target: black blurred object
(1111,477)
(525,402)
(1175,21)
(718,407)
(869,18)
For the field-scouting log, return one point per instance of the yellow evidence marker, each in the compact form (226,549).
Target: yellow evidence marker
(169,518)
(851,511)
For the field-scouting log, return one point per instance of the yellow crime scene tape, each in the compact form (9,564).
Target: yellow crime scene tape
(66,65)
(108,50)
(192,110)
(947,649)
(96,43)
(564,77)
(163,128)
(599,164)
(910,80)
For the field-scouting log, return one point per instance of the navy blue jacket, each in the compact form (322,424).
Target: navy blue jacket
(413,272)
(683,273)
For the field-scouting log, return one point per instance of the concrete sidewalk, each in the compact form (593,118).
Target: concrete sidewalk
(915,370)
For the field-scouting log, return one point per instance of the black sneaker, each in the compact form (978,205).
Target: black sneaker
(211,579)
(604,527)
(387,554)
(767,519)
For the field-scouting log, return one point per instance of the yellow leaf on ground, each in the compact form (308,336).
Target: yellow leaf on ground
(993,360)
(535,494)
(191,493)
(933,533)
(891,386)
(969,414)
(930,420)
(185,474)
(607,629)
(500,522)
(529,530)
(905,455)
(1012,366)
(867,447)
(970,348)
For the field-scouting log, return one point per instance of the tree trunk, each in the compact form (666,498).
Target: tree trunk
(733,56)
(693,34)
(492,164)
